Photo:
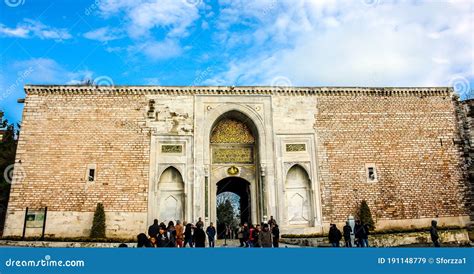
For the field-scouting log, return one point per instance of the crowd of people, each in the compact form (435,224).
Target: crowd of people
(194,235)
(361,235)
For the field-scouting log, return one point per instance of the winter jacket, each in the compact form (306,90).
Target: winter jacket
(265,239)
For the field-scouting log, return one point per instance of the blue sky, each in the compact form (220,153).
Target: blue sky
(234,42)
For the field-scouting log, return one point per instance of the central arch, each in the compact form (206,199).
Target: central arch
(234,164)
(241,188)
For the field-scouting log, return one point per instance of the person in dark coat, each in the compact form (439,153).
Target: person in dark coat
(199,237)
(154,229)
(265,237)
(255,236)
(142,240)
(276,235)
(171,234)
(334,236)
(162,240)
(246,235)
(359,232)
(434,233)
(347,230)
(211,234)
(365,237)
(188,235)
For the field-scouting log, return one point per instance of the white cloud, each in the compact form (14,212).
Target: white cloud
(174,16)
(158,50)
(103,34)
(398,43)
(48,71)
(32,28)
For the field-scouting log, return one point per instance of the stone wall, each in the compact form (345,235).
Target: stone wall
(61,136)
(411,141)
(408,136)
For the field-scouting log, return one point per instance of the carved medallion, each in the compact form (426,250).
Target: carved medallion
(233,170)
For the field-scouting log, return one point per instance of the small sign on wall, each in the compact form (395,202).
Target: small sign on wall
(35,218)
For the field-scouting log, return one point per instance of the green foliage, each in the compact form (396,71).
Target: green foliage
(225,213)
(8,146)
(365,216)
(98,224)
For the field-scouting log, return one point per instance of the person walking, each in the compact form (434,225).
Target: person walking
(246,234)
(240,235)
(179,233)
(365,237)
(199,237)
(359,232)
(256,235)
(276,235)
(265,237)
(334,236)
(188,235)
(143,241)
(211,234)
(154,229)
(171,234)
(199,223)
(271,222)
(346,231)
(251,234)
(434,233)
(162,240)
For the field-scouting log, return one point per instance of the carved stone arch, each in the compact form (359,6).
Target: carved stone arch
(255,118)
(170,196)
(162,169)
(299,209)
(306,166)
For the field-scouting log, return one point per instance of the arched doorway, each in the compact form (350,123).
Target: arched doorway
(171,195)
(234,164)
(298,197)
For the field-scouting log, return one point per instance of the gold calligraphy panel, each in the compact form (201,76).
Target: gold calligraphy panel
(171,149)
(232,131)
(295,147)
(242,155)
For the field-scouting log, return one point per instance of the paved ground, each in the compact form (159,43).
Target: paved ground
(235,244)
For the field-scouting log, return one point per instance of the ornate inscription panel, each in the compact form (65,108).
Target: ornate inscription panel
(232,131)
(242,155)
(295,147)
(171,149)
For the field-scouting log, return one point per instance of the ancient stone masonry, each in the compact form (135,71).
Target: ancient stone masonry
(466,126)
(306,156)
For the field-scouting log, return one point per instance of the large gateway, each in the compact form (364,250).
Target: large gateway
(306,156)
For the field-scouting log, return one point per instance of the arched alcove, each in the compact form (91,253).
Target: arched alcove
(297,195)
(171,195)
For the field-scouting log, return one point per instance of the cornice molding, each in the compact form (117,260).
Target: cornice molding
(229,90)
